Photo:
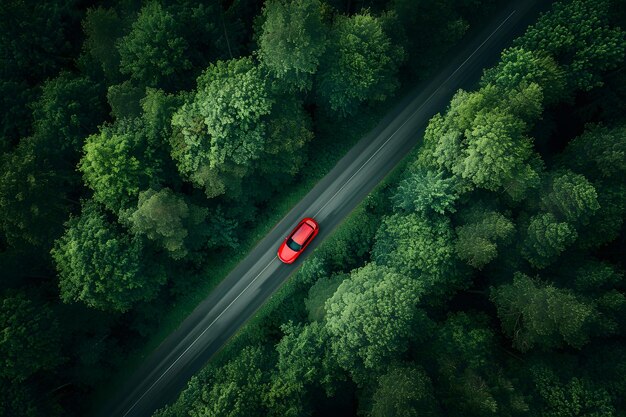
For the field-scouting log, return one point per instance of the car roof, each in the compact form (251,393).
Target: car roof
(302,233)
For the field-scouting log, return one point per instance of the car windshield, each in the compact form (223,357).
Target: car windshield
(293,245)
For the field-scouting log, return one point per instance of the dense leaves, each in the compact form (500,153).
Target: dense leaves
(360,64)
(102,266)
(30,337)
(292,40)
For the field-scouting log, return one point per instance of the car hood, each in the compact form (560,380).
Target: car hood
(286,253)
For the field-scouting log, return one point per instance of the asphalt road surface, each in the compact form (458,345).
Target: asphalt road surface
(166,372)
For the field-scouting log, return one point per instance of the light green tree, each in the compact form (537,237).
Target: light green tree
(223,127)
(118,163)
(421,247)
(519,67)
(426,190)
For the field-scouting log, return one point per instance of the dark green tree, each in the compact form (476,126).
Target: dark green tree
(472,382)
(102,266)
(538,315)
(103,27)
(69,109)
(478,238)
(598,153)
(292,39)
(237,388)
(304,363)
(154,53)
(577,34)
(33,197)
(404,391)
(166,218)
(360,64)
(577,396)
(545,239)
(30,339)
(571,197)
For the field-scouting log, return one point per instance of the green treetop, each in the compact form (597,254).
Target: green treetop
(371,318)
(29,340)
(545,239)
(359,65)
(101,266)
(292,39)
(539,315)
(404,391)
(154,52)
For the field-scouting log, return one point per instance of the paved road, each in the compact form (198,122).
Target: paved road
(248,286)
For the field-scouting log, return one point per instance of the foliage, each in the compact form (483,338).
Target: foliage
(425,190)
(578,36)
(576,397)
(478,239)
(422,247)
(360,64)
(166,218)
(102,28)
(538,314)
(117,164)
(545,239)
(319,292)
(223,127)
(238,387)
(404,391)
(30,337)
(370,317)
(571,197)
(304,360)
(154,52)
(292,40)
(103,267)
(32,197)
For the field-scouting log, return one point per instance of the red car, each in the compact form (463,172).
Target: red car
(297,240)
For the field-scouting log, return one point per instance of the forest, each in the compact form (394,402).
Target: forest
(139,140)
(485,278)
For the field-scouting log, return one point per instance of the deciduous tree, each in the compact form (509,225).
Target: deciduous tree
(154,52)
(102,266)
(545,239)
(371,318)
(359,65)
(292,39)
(30,337)
(539,315)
